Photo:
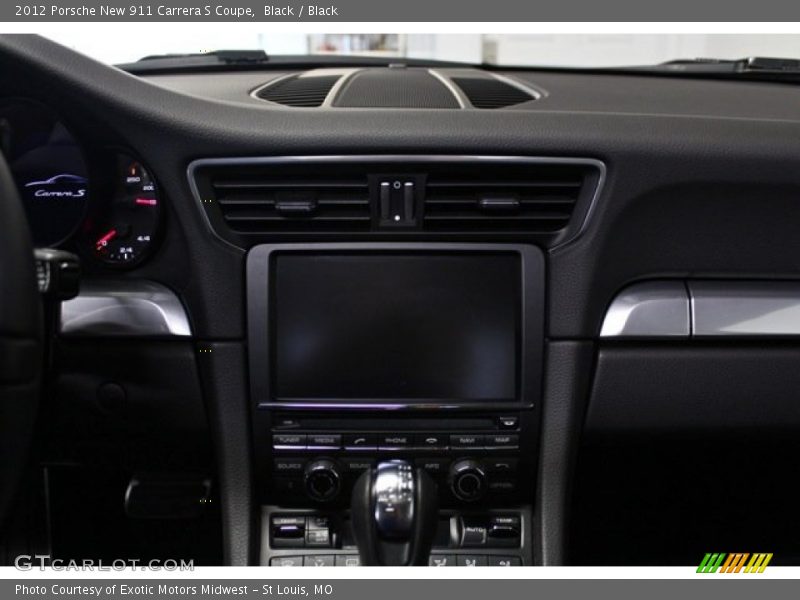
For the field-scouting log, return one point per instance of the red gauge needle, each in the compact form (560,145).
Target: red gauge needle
(146,201)
(103,241)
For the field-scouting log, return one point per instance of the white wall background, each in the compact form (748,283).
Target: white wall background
(126,45)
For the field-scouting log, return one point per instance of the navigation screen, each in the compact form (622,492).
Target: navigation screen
(380,327)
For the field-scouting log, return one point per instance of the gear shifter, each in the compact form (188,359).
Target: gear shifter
(394,514)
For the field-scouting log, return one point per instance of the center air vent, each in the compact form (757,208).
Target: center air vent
(269,202)
(499,200)
(534,200)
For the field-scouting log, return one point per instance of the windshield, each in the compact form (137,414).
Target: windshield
(117,46)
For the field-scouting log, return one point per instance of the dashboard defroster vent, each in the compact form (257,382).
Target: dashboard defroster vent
(299,90)
(491,93)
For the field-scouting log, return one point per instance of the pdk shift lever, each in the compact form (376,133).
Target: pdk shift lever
(394,514)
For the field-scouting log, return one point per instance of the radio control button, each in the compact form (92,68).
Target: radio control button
(324,441)
(466,440)
(357,464)
(289,466)
(293,441)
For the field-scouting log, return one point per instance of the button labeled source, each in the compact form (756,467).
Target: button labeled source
(289,466)
(357,464)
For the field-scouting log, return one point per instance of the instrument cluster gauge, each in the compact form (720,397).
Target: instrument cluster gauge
(123,230)
(49,169)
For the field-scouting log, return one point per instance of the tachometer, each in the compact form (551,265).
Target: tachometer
(125,231)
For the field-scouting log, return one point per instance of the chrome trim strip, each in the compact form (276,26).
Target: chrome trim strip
(393,406)
(704,309)
(334,91)
(745,308)
(400,158)
(520,85)
(123,308)
(460,96)
(649,309)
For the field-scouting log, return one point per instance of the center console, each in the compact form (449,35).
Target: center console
(368,354)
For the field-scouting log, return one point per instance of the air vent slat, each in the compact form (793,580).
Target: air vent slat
(304,199)
(258,201)
(485,92)
(239,185)
(501,184)
(503,199)
(309,91)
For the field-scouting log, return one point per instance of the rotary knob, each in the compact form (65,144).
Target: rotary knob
(322,480)
(468,480)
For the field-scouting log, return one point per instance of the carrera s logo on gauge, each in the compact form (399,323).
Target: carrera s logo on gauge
(64,185)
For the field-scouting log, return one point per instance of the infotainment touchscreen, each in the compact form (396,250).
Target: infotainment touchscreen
(388,326)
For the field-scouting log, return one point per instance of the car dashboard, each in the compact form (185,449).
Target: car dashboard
(571,298)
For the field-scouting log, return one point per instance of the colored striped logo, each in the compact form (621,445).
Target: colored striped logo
(714,562)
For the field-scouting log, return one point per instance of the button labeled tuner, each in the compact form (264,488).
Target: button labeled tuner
(293,441)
